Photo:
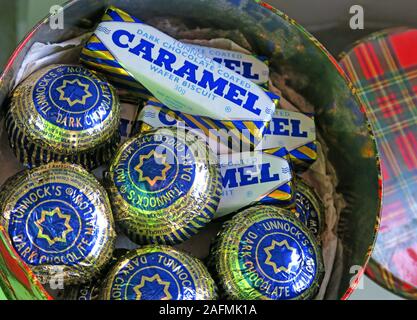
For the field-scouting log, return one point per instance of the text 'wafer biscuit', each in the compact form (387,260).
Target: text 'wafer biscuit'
(63,113)
(265,252)
(59,220)
(158,273)
(183,80)
(164,186)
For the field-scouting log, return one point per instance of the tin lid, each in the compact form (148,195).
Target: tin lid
(383,67)
(18,281)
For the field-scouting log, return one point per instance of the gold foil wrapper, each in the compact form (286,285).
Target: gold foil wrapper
(158,273)
(164,186)
(63,113)
(59,220)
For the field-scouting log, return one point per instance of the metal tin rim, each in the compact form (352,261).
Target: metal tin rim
(354,283)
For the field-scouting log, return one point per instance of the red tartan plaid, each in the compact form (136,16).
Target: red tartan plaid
(389,106)
(383,67)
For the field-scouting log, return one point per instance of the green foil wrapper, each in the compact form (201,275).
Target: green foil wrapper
(266,253)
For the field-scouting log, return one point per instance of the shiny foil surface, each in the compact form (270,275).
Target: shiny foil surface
(382,67)
(277,36)
(164,186)
(308,207)
(264,252)
(59,220)
(158,273)
(91,290)
(65,113)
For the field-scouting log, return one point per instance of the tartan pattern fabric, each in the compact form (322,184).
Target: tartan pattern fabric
(383,68)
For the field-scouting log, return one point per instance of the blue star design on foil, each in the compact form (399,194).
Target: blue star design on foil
(74,92)
(53,226)
(152,288)
(282,257)
(152,170)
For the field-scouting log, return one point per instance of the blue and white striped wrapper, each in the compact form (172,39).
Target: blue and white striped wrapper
(254,177)
(221,94)
(296,132)
(223,136)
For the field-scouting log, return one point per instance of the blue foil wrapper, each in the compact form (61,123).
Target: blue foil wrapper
(164,186)
(159,273)
(59,221)
(265,252)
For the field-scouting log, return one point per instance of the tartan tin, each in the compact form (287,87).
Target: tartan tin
(383,67)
